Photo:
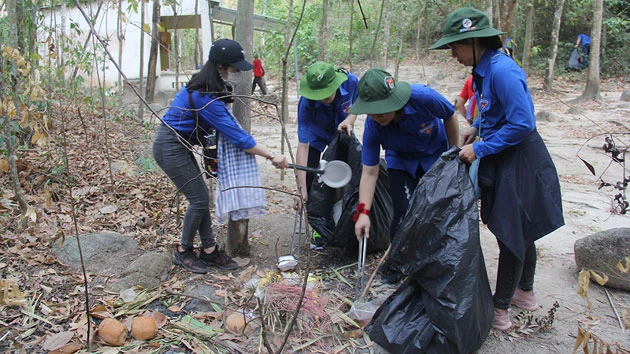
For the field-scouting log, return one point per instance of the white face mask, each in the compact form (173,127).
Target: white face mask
(233,79)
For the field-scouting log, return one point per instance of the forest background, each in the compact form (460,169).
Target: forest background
(351,34)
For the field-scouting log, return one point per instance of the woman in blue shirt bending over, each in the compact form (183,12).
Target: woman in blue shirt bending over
(414,124)
(324,108)
(520,190)
(208,94)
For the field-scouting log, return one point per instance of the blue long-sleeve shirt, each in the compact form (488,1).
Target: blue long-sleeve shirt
(213,114)
(505,103)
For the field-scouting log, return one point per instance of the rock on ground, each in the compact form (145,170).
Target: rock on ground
(602,252)
(115,256)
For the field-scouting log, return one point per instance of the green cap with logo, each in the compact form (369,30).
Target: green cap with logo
(379,93)
(465,23)
(321,81)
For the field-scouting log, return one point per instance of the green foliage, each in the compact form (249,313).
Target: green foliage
(147,164)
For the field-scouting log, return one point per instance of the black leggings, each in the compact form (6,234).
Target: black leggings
(401,188)
(512,273)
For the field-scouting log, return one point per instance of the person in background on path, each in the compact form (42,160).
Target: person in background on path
(471,111)
(585,42)
(209,95)
(323,110)
(508,46)
(259,72)
(414,124)
(520,189)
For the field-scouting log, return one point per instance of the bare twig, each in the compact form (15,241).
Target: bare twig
(380,262)
(623,330)
(76,232)
(262,327)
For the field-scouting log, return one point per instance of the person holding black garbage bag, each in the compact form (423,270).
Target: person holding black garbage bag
(323,110)
(415,125)
(520,190)
(201,107)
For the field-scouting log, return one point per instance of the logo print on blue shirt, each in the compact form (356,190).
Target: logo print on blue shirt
(426,129)
(484,105)
(346,106)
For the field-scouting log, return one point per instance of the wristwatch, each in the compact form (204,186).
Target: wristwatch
(271,156)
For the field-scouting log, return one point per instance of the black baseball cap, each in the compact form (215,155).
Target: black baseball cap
(227,51)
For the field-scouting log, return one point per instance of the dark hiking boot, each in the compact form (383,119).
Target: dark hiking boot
(189,261)
(218,259)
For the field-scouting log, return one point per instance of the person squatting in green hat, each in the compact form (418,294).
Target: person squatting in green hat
(324,108)
(414,124)
(520,190)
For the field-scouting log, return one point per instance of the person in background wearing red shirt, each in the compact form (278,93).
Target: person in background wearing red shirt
(471,112)
(259,72)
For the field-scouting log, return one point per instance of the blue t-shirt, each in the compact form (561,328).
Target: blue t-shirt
(418,139)
(317,122)
(506,109)
(584,39)
(213,113)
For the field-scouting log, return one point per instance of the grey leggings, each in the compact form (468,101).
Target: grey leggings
(180,166)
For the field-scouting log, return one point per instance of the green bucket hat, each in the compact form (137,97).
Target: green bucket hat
(379,93)
(465,23)
(321,81)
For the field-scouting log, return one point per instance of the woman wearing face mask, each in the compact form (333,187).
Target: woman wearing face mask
(520,190)
(199,108)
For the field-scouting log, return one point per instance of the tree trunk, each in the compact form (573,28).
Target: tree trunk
(32,42)
(5,121)
(592,81)
(323,32)
(149,94)
(496,10)
(529,32)
(350,39)
(557,18)
(13,22)
(197,42)
(13,173)
(507,14)
(176,48)
(237,240)
(386,35)
(23,31)
(420,14)
(378,27)
(140,112)
(284,109)
(487,9)
(121,39)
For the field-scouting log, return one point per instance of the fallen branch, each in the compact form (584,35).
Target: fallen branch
(623,330)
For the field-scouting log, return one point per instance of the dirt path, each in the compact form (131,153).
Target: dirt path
(586,209)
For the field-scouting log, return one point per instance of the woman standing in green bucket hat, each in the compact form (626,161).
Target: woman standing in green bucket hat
(414,124)
(520,190)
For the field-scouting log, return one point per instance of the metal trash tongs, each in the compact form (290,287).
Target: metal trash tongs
(297,232)
(361,264)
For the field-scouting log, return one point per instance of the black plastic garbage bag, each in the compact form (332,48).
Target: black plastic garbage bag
(574,61)
(322,199)
(438,247)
